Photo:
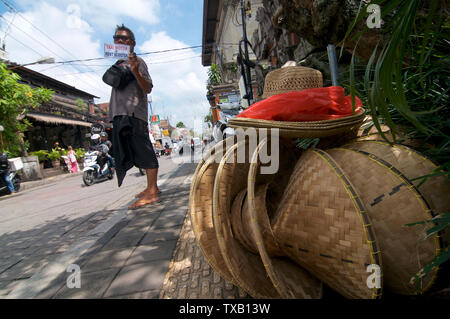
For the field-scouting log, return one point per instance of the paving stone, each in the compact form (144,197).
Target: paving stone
(7,286)
(145,216)
(169,221)
(138,278)
(155,251)
(127,237)
(164,234)
(6,264)
(26,268)
(151,294)
(93,285)
(106,259)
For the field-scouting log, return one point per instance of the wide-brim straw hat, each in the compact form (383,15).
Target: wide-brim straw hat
(322,225)
(291,78)
(290,280)
(246,268)
(310,129)
(392,201)
(200,208)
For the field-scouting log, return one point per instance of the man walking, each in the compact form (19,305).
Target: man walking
(128,112)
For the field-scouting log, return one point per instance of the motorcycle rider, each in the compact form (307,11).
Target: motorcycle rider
(101,148)
(4,172)
(104,137)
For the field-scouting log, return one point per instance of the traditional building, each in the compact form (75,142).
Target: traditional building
(65,119)
(222,33)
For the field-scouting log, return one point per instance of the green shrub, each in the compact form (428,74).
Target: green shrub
(54,155)
(79,153)
(42,155)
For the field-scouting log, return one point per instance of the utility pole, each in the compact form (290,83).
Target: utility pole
(248,88)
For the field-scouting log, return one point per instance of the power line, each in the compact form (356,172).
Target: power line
(149,63)
(42,32)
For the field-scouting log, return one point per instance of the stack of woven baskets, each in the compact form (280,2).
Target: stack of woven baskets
(332,215)
(325,216)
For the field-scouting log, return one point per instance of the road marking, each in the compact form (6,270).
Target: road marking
(45,275)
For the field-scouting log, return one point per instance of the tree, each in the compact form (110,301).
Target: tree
(15,101)
(180,124)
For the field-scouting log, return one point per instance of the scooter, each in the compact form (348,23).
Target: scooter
(227,111)
(14,179)
(91,171)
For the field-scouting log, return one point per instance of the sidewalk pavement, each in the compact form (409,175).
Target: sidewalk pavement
(146,253)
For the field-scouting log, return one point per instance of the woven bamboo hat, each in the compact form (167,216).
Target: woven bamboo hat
(412,164)
(322,225)
(290,280)
(200,208)
(246,268)
(291,78)
(283,153)
(310,129)
(392,201)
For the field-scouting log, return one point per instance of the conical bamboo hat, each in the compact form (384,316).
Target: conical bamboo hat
(392,202)
(322,225)
(290,280)
(246,268)
(200,208)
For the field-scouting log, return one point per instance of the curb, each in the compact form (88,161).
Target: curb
(45,181)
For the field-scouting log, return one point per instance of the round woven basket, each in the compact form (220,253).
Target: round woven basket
(392,202)
(246,268)
(290,280)
(291,78)
(310,129)
(200,209)
(322,225)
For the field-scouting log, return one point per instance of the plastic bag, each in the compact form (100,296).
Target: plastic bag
(307,105)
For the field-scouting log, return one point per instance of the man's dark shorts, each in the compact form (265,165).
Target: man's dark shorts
(142,149)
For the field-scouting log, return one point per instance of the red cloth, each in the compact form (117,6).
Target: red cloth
(307,105)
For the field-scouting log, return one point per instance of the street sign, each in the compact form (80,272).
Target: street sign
(116,50)
(154,119)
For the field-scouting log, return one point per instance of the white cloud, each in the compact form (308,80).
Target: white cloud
(66,40)
(179,86)
(107,13)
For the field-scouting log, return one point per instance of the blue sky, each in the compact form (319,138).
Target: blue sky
(78,30)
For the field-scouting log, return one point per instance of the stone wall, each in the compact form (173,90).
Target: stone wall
(31,170)
(273,45)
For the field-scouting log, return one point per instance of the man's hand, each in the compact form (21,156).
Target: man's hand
(134,63)
(134,66)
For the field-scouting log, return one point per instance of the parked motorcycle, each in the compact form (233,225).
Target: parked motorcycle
(92,171)
(15,180)
(11,168)
(227,111)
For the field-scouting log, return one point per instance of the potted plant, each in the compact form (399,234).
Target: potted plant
(54,157)
(79,153)
(42,157)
